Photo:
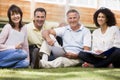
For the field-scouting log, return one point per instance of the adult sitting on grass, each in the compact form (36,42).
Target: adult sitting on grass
(105,38)
(35,29)
(13,41)
(75,38)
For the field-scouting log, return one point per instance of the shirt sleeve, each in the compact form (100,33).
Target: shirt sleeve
(50,25)
(3,37)
(25,43)
(87,38)
(94,39)
(116,37)
(60,31)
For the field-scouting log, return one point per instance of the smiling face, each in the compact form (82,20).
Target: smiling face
(73,19)
(101,19)
(39,19)
(15,17)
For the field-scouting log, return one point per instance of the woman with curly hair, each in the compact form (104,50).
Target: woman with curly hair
(105,39)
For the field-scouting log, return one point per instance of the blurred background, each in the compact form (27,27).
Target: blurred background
(56,9)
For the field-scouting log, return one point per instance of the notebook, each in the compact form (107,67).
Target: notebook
(108,52)
(105,53)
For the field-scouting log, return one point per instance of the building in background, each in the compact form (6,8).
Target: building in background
(56,9)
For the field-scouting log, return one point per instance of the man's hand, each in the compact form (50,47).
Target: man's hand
(71,55)
(46,35)
(50,41)
(98,51)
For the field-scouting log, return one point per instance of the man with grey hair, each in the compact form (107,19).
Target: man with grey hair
(75,38)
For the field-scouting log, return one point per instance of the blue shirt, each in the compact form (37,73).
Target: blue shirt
(74,41)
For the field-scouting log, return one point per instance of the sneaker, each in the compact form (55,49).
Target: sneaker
(40,64)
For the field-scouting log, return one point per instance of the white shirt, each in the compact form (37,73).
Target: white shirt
(10,37)
(15,37)
(107,40)
(74,41)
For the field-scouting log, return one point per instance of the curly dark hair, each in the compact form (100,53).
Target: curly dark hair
(109,15)
(15,9)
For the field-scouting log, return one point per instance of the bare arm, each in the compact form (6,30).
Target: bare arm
(4,36)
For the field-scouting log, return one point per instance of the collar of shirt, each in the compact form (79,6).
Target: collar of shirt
(80,29)
(34,28)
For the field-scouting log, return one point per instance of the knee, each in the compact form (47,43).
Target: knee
(81,54)
(116,52)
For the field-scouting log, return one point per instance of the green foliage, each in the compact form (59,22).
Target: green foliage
(1,25)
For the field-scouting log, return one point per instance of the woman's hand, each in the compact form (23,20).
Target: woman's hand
(98,51)
(18,46)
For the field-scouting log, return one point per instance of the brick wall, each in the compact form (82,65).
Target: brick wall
(24,5)
(54,12)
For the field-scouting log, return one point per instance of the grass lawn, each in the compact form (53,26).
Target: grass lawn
(71,73)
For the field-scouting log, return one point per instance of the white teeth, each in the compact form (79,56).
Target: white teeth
(16,19)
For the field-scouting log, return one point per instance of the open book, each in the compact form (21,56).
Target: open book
(58,51)
(105,53)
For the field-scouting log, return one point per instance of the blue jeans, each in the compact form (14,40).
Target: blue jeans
(13,58)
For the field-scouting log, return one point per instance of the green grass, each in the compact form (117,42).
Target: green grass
(72,73)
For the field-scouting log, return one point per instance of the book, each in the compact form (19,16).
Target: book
(108,52)
(105,53)
(58,51)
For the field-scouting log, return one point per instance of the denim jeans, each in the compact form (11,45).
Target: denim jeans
(13,58)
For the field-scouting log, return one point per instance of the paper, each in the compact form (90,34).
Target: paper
(58,51)
(105,53)
(109,51)
(91,52)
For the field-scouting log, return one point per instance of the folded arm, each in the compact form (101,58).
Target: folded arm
(46,36)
